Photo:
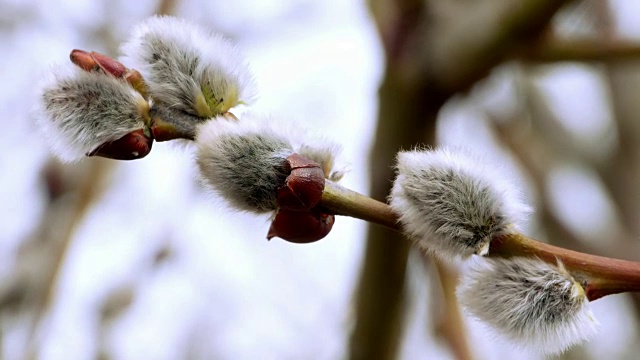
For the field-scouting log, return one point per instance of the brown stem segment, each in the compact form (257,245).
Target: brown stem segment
(342,201)
(599,275)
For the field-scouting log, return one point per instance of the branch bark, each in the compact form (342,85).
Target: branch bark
(553,50)
(600,276)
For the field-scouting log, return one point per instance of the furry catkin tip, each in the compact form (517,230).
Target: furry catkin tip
(536,305)
(188,67)
(452,204)
(78,111)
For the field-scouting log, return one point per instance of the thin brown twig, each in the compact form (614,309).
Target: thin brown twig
(537,154)
(89,190)
(466,51)
(452,324)
(599,275)
(554,50)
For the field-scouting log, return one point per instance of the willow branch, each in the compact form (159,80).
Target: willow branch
(583,50)
(452,324)
(599,275)
(482,38)
(342,201)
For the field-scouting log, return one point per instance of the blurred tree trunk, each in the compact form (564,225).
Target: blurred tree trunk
(427,63)
(406,118)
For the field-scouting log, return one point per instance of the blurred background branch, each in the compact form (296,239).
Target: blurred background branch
(429,58)
(553,49)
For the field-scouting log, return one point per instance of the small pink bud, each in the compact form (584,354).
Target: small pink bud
(93,61)
(109,65)
(83,60)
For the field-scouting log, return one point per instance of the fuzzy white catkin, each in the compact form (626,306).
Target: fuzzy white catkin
(453,204)
(184,63)
(245,161)
(536,305)
(77,111)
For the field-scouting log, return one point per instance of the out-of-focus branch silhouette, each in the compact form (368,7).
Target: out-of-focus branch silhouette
(71,190)
(552,49)
(33,286)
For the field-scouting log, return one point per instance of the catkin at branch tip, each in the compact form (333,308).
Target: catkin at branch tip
(189,67)
(245,161)
(452,204)
(77,111)
(536,305)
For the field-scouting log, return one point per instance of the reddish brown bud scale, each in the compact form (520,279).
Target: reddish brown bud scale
(303,188)
(299,218)
(92,61)
(301,227)
(109,65)
(83,60)
(134,145)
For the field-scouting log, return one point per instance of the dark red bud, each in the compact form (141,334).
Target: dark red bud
(109,65)
(83,60)
(134,145)
(303,188)
(301,227)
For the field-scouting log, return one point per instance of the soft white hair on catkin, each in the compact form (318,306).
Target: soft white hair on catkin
(179,59)
(536,305)
(245,161)
(453,204)
(317,148)
(308,143)
(77,111)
